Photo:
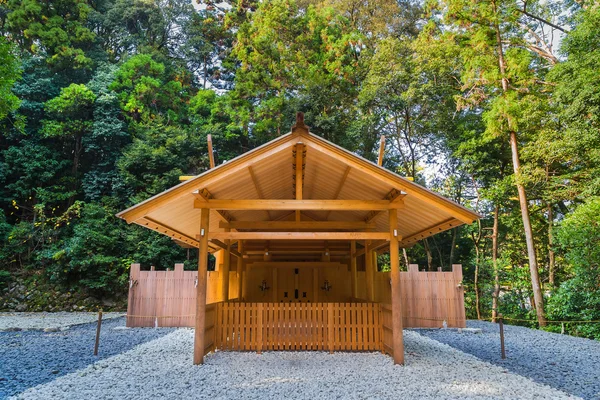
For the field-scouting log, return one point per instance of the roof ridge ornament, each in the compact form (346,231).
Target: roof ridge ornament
(299,127)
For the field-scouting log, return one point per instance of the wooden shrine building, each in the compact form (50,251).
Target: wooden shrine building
(296,226)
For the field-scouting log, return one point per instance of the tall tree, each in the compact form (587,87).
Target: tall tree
(502,77)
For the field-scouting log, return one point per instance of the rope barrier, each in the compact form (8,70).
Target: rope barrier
(160,316)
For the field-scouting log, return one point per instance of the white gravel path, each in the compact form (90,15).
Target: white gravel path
(48,320)
(163,369)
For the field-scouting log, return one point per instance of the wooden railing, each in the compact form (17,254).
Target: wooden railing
(298,326)
(387,337)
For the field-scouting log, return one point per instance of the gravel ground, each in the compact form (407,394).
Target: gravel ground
(563,362)
(163,369)
(31,358)
(46,320)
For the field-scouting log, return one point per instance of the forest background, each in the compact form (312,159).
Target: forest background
(493,103)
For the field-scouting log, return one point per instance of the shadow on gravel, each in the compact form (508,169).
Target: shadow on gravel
(563,362)
(30,358)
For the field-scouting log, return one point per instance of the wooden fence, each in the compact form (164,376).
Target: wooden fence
(298,326)
(168,298)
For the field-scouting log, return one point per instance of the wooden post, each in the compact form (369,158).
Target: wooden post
(369,276)
(381,151)
(240,268)
(353,280)
(98,333)
(134,275)
(330,327)
(201,290)
(226,269)
(211,156)
(398,339)
(501,323)
(259,327)
(274,285)
(316,285)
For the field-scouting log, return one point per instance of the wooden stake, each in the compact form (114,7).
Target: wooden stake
(397,333)
(211,155)
(201,294)
(98,333)
(330,327)
(240,270)
(381,151)
(501,323)
(353,280)
(226,268)
(259,323)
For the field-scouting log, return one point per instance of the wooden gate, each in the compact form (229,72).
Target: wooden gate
(298,326)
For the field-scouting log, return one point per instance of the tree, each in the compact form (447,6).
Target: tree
(9,73)
(70,118)
(578,298)
(498,76)
(56,29)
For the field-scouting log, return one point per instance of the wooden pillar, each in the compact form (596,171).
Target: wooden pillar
(274,285)
(226,269)
(134,275)
(353,280)
(240,270)
(369,275)
(316,284)
(201,289)
(398,340)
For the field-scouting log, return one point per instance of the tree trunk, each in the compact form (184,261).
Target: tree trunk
(496,294)
(551,258)
(405,256)
(429,256)
(453,245)
(476,282)
(533,266)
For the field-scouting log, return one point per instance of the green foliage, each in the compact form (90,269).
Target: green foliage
(56,29)
(105,103)
(9,73)
(578,298)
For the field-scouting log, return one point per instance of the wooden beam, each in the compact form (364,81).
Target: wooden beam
(201,288)
(166,230)
(394,196)
(344,205)
(224,247)
(299,235)
(211,155)
(295,264)
(432,230)
(381,150)
(291,225)
(397,335)
(203,196)
(339,189)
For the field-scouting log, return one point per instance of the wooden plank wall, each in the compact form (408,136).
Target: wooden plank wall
(298,326)
(428,298)
(168,298)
